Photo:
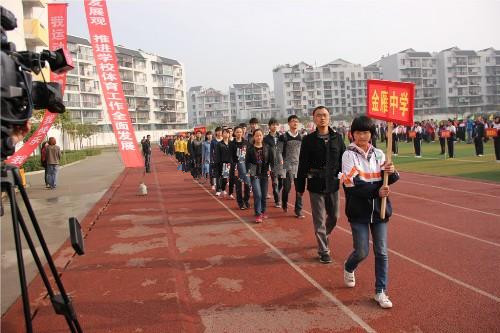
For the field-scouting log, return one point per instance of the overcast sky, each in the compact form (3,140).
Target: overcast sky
(221,42)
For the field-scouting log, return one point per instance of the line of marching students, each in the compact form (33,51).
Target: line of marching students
(245,161)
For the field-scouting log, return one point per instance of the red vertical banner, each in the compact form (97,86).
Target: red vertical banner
(111,85)
(391,101)
(58,27)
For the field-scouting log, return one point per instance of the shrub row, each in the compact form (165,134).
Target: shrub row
(33,163)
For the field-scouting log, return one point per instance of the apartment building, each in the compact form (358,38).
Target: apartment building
(339,85)
(460,80)
(153,86)
(208,106)
(252,100)
(420,68)
(490,78)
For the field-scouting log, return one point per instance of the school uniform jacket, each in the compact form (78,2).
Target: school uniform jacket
(362,178)
(251,161)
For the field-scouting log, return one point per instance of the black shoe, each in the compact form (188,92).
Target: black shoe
(325,258)
(285,208)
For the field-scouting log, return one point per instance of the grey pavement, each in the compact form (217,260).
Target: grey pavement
(79,187)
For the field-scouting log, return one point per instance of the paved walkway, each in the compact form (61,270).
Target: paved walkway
(80,186)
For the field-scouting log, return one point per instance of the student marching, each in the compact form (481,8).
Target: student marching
(243,165)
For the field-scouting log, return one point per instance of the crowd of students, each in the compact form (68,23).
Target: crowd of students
(460,131)
(244,160)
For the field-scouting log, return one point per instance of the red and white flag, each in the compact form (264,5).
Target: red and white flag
(111,85)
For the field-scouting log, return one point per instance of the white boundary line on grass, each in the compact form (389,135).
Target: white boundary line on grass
(433,270)
(448,159)
(299,270)
(449,189)
(445,203)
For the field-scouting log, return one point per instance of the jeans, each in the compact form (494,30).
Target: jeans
(361,242)
(259,188)
(325,212)
(287,186)
(52,174)
(277,185)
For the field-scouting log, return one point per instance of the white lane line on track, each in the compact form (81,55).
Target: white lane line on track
(433,270)
(289,261)
(446,229)
(449,189)
(450,178)
(445,203)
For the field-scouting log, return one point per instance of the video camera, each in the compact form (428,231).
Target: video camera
(19,94)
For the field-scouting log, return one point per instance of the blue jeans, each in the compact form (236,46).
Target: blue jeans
(52,174)
(361,242)
(259,188)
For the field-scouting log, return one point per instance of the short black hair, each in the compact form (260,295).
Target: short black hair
(362,124)
(237,127)
(218,129)
(225,130)
(254,121)
(273,121)
(292,117)
(320,107)
(242,125)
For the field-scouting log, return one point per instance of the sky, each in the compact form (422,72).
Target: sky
(222,42)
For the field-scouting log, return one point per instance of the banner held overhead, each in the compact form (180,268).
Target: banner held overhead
(111,85)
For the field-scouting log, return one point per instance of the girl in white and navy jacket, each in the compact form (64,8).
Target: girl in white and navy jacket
(363,168)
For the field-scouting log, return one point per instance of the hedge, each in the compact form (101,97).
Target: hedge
(33,163)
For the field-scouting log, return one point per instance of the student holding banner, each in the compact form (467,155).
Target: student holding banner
(442,139)
(363,168)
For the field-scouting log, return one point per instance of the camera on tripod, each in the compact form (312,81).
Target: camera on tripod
(20,95)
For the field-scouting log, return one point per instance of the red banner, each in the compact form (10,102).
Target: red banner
(491,132)
(391,101)
(202,129)
(111,85)
(445,134)
(58,27)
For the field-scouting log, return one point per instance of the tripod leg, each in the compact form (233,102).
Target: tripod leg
(20,262)
(63,305)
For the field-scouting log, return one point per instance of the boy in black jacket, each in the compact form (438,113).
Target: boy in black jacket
(320,162)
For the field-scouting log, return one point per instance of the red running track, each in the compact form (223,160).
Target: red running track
(181,260)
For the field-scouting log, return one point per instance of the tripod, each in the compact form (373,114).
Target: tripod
(61,302)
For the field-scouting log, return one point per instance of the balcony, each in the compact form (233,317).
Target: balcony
(36,3)
(35,33)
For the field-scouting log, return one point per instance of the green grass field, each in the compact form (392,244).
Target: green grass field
(465,164)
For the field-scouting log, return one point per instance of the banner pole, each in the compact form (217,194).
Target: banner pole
(388,159)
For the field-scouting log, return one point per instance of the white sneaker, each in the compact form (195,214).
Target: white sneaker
(349,279)
(224,194)
(217,194)
(213,187)
(231,197)
(383,300)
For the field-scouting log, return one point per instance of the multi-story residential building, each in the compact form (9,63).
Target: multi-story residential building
(32,27)
(417,67)
(251,100)
(208,106)
(339,85)
(153,87)
(460,80)
(490,78)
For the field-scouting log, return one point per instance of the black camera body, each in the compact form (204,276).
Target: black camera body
(20,95)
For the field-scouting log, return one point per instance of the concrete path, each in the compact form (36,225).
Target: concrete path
(79,187)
